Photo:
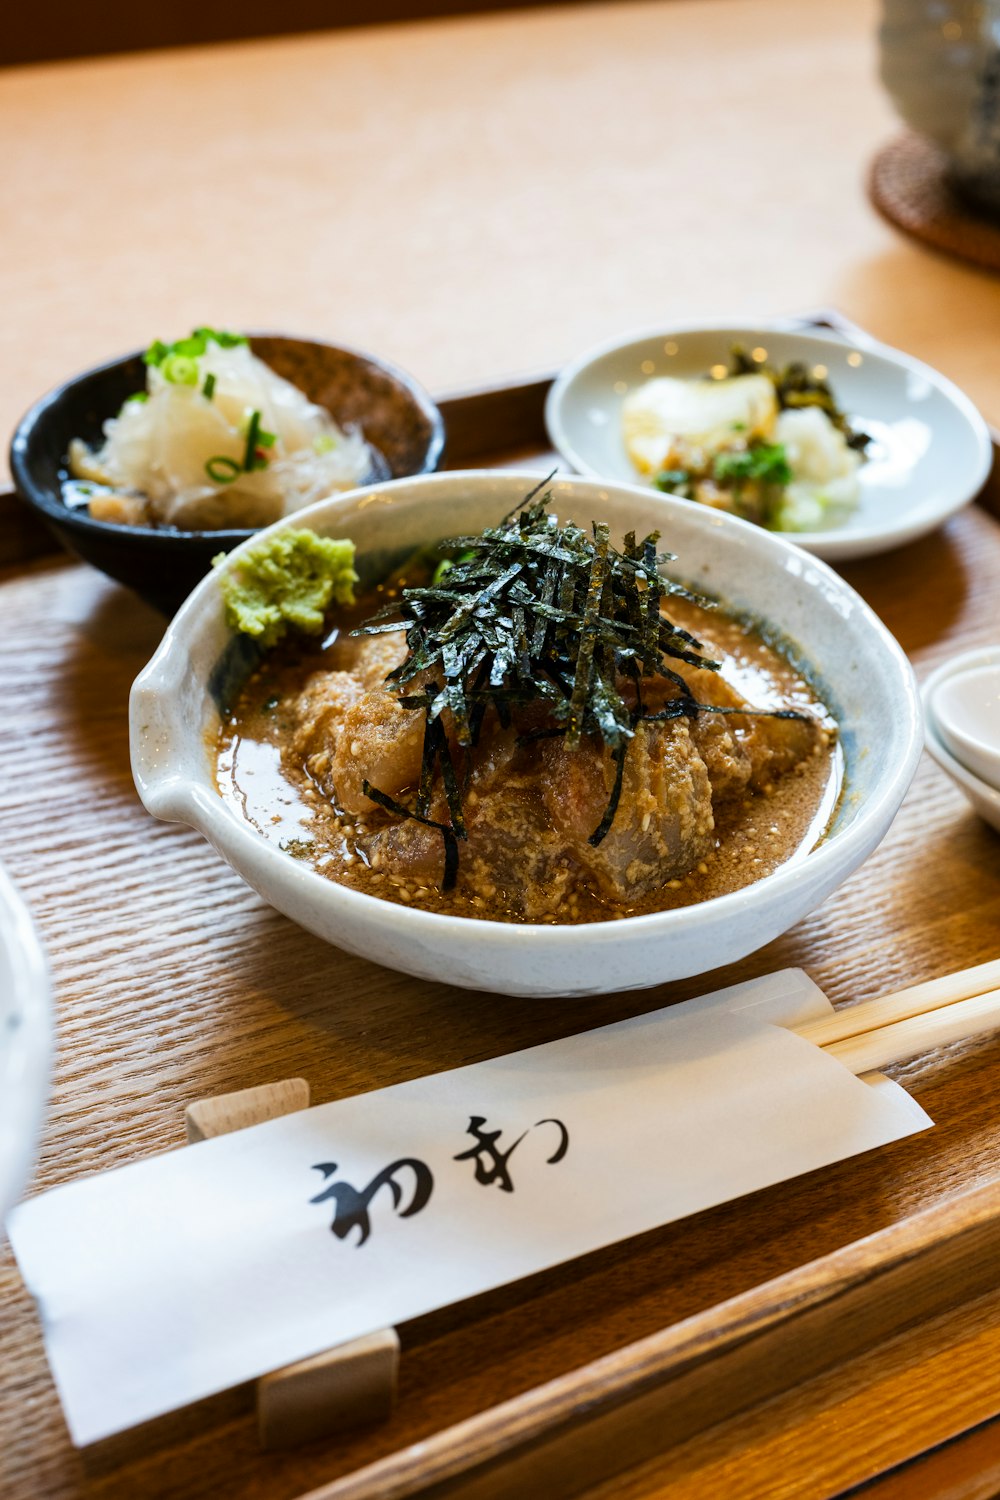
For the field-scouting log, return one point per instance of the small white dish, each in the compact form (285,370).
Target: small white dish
(931,453)
(984,797)
(25,1028)
(860,670)
(967,718)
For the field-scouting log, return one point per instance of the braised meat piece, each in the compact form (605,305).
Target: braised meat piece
(663,824)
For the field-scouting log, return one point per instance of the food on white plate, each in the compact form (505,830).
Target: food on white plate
(532,725)
(770,446)
(216,440)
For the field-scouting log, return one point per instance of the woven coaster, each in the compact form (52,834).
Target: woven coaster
(909,185)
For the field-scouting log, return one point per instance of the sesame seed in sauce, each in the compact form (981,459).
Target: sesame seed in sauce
(340,847)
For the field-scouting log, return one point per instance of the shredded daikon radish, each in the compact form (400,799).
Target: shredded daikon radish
(220,440)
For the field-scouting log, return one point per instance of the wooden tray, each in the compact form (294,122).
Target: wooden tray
(174,982)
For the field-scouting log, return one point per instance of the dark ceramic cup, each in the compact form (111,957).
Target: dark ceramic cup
(401,424)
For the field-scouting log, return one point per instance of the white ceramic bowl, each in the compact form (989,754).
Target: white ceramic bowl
(932,450)
(855,662)
(967,717)
(984,797)
(25,1027)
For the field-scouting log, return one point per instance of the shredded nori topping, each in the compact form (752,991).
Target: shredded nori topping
(532,612)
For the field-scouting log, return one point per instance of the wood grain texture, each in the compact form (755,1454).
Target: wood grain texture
(175,982)
(654,1396)
(848,1427)
(966,1468)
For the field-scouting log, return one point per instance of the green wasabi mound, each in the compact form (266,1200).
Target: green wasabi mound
(287,582)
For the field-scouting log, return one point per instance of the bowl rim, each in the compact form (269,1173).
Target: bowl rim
(52,505)
(189,801)
(836,542)
(936,747)
(25,1065)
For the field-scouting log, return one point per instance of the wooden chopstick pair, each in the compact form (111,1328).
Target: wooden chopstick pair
(871,1035)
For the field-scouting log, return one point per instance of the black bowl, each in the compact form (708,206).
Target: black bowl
(401,424)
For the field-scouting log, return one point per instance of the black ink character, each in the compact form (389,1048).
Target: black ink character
(491,1162)
(351,1206)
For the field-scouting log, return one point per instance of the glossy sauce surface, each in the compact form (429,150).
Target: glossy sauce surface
(263,774)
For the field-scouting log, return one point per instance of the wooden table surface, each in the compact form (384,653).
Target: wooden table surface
(472,199)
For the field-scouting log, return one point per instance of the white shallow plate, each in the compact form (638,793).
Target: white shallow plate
(984,798)
(25,1027)
(932,450)
(861,671)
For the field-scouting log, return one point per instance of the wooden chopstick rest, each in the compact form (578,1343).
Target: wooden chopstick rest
(227,1112)
(350,1386)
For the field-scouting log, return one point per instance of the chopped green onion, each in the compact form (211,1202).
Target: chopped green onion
(220,337)
(325,443)
(258,438)
(180,369)
(208,389)
(222,470)
(250,452)
(139,396)
(193,346)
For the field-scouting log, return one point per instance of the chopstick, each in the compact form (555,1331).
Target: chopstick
(894,1043)
(907,1022)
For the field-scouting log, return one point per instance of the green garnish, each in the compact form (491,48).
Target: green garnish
(180,369)
(139,396)
(194,346)
(325,443)
(766,463)
(672,480)
(257,438)
(796,386)
(529,612)
(221,337)
(287,581)
(222,470)
(208,389)
(250,452)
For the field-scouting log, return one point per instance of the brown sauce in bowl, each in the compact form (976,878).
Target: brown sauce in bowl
(708,806)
